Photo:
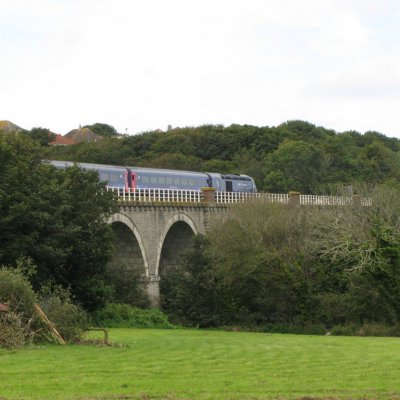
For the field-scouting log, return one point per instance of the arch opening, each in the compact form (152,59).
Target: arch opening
(177,242)
(127,265)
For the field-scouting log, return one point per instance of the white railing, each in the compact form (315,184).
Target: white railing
(157,195)
(238,197)
(313,200)
(197,196)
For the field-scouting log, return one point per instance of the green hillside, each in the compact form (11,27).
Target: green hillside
(295,155)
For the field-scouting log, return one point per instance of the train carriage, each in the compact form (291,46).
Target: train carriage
(132,178)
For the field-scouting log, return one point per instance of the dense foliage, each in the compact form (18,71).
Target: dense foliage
(267,265)
(20,325)
(127,316)
(58,218)
(282,266)
(295,155)
(41,135)
(102,129)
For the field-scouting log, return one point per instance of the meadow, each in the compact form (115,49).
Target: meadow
(205,364)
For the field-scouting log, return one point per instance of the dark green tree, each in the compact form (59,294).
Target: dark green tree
(56,217)
(41,135)
(192,295)
(102,129)
(295,165)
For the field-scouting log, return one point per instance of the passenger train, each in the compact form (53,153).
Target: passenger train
(131,178)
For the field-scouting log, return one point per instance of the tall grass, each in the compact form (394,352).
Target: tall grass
(194,364)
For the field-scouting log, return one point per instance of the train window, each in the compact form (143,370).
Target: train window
(184,181)
(153,179)
(169,181)
(161,180)
(104,177)
(113,178)
(191,182)
(145,179)
(177,181)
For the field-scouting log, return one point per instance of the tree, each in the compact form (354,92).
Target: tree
(102,129)
(56,217)
(262,255)
(192,295)
(41,135)
(277,264)
(366,240)
(295,165)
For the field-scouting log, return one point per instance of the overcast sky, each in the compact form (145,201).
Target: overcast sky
(144,64)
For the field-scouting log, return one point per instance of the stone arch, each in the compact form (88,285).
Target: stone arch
(129,244)
(175,239)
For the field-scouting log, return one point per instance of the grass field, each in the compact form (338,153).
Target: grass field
(195,364)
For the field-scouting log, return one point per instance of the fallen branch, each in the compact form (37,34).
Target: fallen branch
(52,328)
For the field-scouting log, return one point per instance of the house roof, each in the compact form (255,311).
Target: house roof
(83,135)
(62,141)
(7,126)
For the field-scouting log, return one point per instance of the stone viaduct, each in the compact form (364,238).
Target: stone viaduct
(153,230)
(152,237)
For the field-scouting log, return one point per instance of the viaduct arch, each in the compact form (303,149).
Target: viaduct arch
(150,240)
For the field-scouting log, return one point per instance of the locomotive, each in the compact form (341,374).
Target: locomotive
(132,178)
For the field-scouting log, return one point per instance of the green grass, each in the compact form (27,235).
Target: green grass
(194,364)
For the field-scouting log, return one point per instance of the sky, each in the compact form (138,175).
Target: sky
(141,65)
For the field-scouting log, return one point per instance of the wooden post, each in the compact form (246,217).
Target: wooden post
(49,324)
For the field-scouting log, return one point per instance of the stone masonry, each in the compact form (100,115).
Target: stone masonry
(151,238)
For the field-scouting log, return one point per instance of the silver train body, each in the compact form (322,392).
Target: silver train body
(132,178)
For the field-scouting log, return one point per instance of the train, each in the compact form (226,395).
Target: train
(132,178)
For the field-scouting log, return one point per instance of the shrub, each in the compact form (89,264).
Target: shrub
(17,293)
(70,319)
(309,329)
(367,329)
(192,295)
(126,316)
(126,284)
(13,333)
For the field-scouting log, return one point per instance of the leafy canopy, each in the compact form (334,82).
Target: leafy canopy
(56,217)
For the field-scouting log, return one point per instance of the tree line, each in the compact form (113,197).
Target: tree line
(55,219)
(284,267)
(295,155)
(267,264)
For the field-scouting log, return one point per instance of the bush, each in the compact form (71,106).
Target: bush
(126,284)
(309,329)
(17,293)
(192,295)
(70,319)
(126,316)
(13,333)
(368,329)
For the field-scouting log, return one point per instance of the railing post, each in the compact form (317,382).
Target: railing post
(356,200)
(208,195)
(294,198)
